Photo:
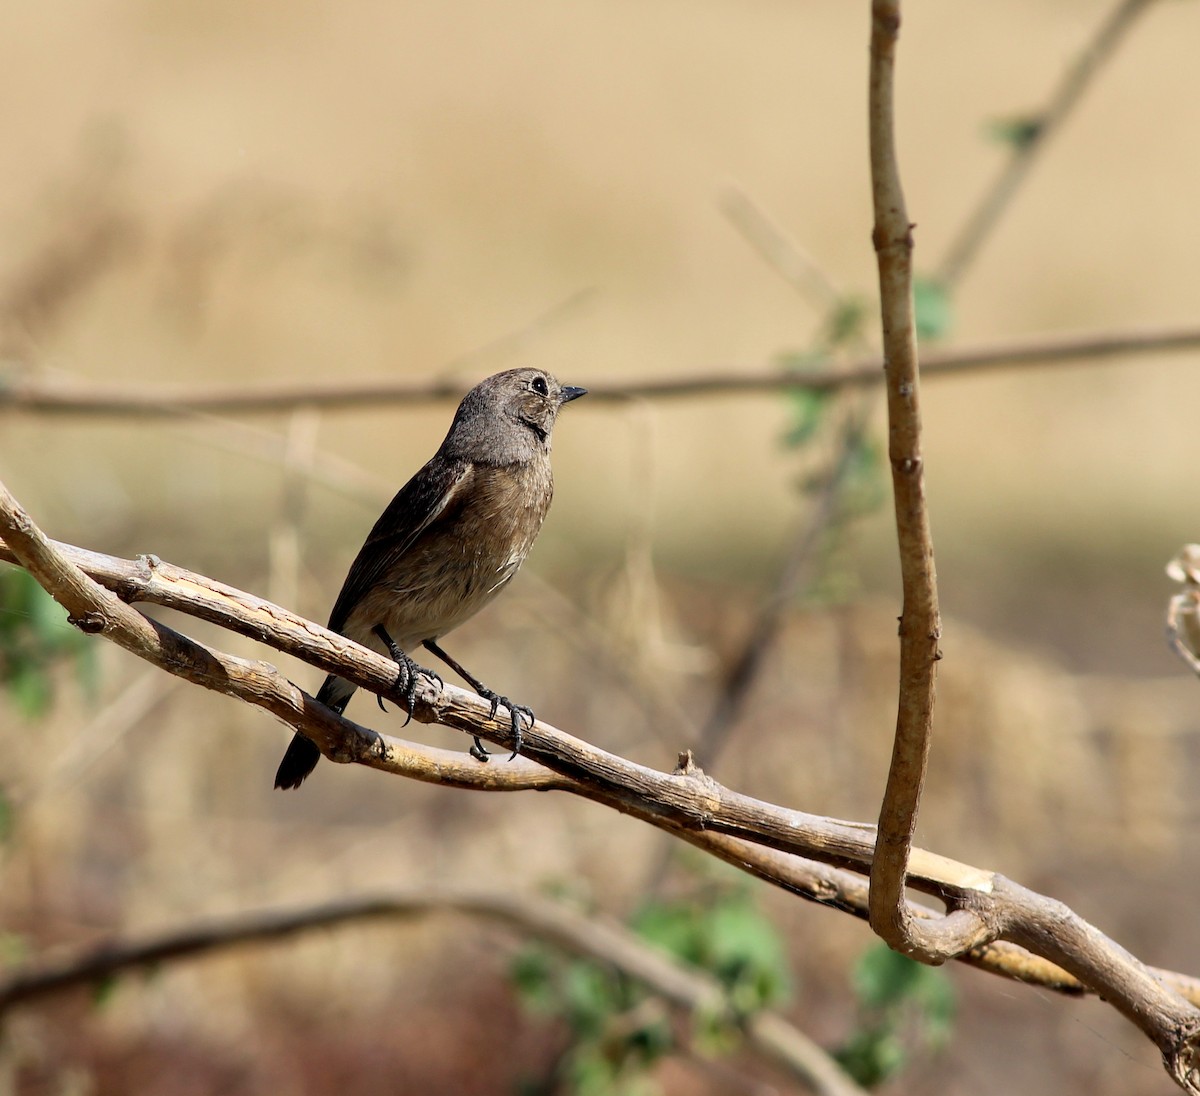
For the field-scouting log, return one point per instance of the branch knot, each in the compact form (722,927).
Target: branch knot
(90,623)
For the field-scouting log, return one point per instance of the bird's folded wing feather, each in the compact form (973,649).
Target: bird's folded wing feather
(435,493)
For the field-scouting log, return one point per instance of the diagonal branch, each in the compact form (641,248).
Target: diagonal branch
(744,669)
(758,837)
(155,581)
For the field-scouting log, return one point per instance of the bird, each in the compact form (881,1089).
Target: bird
(451,539)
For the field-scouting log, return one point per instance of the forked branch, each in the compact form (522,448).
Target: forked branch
(769,841)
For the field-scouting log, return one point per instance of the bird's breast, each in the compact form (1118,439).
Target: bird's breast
(458,566)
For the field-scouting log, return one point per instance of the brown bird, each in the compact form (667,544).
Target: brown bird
(449,542)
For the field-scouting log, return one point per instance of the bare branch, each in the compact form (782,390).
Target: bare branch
(595,937)
(786,257)
(920,624)
(34,395)
(685,799)
(999,195)
(844,891)
(747,832)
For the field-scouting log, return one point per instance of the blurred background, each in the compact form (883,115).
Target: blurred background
(225,193)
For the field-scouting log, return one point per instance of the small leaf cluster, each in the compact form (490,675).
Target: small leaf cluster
(34,636)
(617,1029)
(901,1003)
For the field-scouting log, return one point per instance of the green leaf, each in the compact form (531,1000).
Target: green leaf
(932,308)
(808,407)
(590,996)
(7,816)
(591,1071)
(34,634)
(871,1056)
(884,977)
(14,949)
(47,618)
(845,323)
(1018,131)
(103,990)
(713,1033)
(896,994)
(530,972)
(748,956)
(727,936)
(30,687)
(672,926)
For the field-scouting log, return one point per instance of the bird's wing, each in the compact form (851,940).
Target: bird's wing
(437,491)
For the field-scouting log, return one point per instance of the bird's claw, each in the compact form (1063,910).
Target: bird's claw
(516,711)
(406,682)
(406,675)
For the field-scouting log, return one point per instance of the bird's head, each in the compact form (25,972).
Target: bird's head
(512,414)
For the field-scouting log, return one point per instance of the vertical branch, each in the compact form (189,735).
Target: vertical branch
(920,624)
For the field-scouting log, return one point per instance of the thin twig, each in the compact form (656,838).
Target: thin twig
(797,268)
(283,540)
(34,395)
(751,657)
(996,199)
(105,729)
(920,624)
(259,443)
(786,257)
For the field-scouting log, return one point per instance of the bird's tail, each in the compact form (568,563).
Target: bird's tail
(302,755)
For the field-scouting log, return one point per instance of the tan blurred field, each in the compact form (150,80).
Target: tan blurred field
(222,192)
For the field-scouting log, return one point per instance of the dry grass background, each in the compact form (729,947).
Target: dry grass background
(221,191)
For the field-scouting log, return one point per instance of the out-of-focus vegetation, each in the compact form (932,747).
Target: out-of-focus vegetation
(196,193)
(34,636)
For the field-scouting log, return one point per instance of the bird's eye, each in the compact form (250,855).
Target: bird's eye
(538,384)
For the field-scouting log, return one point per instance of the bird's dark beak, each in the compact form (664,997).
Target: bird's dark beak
(568,393)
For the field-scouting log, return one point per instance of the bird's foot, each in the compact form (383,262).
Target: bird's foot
(407,673)
(479,751)
(516,711)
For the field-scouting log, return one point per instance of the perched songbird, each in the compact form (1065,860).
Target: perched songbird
(449,541)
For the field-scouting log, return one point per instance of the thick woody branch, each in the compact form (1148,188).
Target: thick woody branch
(99,611)
(35,395)
(685,799)
(920,624)
(154,581)
(842,890)
(759,837)
(595,937)
(817,882)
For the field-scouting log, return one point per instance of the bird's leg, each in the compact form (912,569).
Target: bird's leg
(493,698)
(406,679)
